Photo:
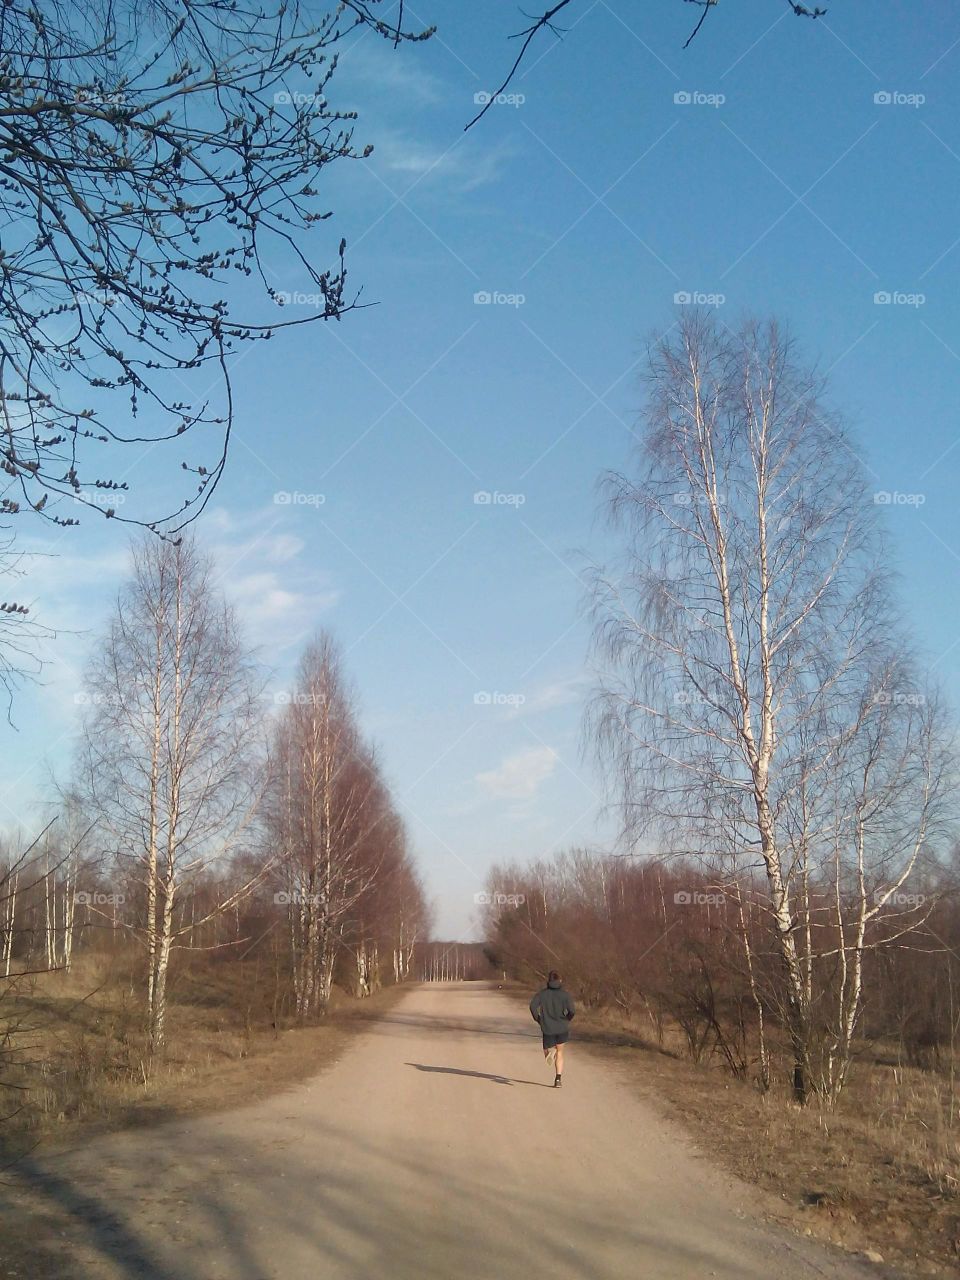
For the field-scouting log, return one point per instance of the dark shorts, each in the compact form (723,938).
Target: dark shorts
(550,1042)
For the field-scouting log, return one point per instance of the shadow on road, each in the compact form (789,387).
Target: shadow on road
(479,1075)
(109,1233)
(487,1026)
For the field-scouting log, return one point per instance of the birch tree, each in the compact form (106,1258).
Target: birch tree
(743,638)
(170,745)
(391,915)
(325,799)
(410,919)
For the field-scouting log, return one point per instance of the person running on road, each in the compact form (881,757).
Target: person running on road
(553,1009)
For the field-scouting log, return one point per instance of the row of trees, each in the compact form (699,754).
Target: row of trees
(196,819)
(451,962)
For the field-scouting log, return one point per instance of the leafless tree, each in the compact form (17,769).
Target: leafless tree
(884,801)
(326,800)
(170,745)
(154,156)
(746,642)
(370,927)
(22,637)
(409,921)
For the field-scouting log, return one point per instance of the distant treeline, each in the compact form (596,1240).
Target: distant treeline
(691,955)
(451,962)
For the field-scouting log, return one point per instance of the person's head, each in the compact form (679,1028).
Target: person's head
(554,979)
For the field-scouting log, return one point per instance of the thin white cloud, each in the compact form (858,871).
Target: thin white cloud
(282,547)
(71,586)
(559,693)
(279,599)
(463,167)
(381,71)
(219,520)
(264,602)
(520,776)
(56,571)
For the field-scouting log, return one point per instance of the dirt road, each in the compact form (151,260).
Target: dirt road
(434,1150)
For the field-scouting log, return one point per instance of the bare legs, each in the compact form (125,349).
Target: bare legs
(555,1058)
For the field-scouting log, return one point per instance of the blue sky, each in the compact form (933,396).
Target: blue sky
(584,209)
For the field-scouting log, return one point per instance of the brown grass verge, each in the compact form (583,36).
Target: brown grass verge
(81,1061)
(879,1175)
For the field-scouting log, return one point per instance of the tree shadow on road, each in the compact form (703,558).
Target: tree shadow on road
(224,1199)
(479,1075)
(110,1234)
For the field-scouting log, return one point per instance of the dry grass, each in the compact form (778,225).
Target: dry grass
(880,1172)
(78,1056)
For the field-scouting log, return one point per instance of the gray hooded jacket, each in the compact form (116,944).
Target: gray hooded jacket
(553,1009)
